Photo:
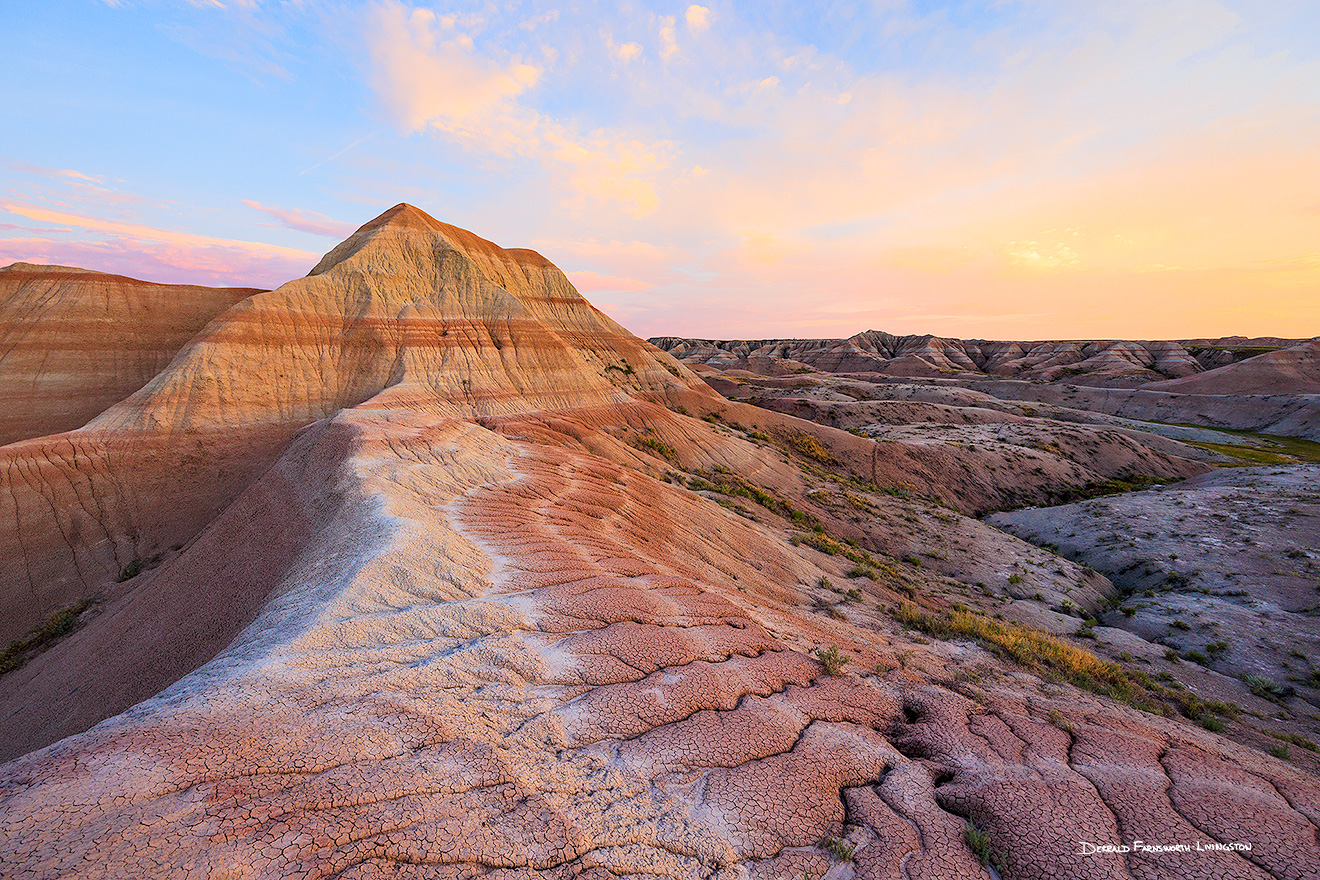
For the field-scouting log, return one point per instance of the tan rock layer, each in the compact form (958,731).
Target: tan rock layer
(74,342)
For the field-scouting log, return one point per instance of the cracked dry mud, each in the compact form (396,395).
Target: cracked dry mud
(458,627)
(545,666)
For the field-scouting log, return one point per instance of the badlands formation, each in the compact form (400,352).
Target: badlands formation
(420,566)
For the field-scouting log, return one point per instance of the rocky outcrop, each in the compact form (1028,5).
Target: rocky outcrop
(408,311)
(74,342)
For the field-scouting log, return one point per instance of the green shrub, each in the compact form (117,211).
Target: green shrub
(979,843)
(664,450)
(1294,739)
(840,850)
(832,659)
(1268,688)
(56,625)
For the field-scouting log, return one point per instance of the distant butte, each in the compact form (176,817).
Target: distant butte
(421,566)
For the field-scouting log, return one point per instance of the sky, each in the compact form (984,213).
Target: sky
(1007,169)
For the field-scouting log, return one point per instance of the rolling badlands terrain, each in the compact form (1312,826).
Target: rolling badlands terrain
(421,566)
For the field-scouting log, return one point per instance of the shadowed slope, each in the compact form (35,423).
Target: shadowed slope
(74,342)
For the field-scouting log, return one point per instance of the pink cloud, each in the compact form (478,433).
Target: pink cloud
(153,254)
(306,221)
(213,265)
(590,282)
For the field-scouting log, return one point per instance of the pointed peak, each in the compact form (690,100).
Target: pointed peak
(403,214)
(407,220)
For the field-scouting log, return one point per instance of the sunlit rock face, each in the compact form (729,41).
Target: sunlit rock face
(433,613)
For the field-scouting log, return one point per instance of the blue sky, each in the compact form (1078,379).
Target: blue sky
(993,169)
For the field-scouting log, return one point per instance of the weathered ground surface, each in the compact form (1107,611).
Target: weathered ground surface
(421,567)
(1221,569)
(514,660)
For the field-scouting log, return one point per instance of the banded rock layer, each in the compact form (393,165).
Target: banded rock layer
(74,342)
(423,608)
(1101,363)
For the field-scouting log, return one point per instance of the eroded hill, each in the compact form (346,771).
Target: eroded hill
(421,566)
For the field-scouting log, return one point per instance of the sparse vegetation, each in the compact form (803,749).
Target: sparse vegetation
(1099,489)
(1294,739)
(1031,648)
(55,626)
(1289,449)
(832,659)
(1268,688)
(1057,719)
(840,850)
(811,448)
(725,482)
(978,842)
(660,448)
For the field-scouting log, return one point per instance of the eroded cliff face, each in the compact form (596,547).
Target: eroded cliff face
(74,342)
(447,322)
(462,603)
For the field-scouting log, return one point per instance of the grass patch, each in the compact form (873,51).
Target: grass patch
(1248,455)
(978,842)
(811,448)
(1294,739)
(1101,488)
(1295,448)
(59,623)
(1031,648)
(1268,688)
(1047,656)
(725,482)
(840,850)
(660,448)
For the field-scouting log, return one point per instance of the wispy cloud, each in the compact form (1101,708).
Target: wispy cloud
(152,253)
(1133,167)
(305,221)
(428,73)
(431,77)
